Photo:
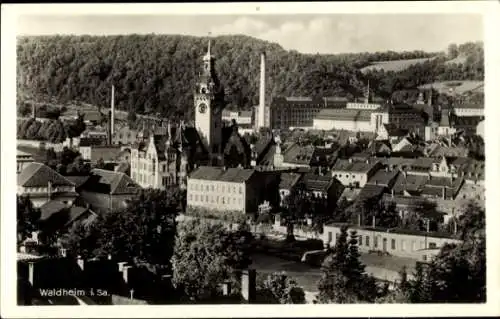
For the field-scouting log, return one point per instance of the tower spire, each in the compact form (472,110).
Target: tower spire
(209,43)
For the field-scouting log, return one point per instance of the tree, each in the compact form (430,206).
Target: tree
(343,278)
(452,51)
(205,255)
(144,231)
(27,218)
(81,239)
(278,288)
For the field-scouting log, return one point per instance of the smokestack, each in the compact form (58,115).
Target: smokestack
(112,110)
(110,123)
(262,93)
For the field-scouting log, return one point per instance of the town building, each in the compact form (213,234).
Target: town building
(294,112)
(42,184)
(468,110)
(244,118)
(95,153)
(288,180)
(324,189)
(209,104)
(231,189)
(417,245)
(105,191)
(354,173)
(125,136)
(22,160)
(164,160)
(309,156)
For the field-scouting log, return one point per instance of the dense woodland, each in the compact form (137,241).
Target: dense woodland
(156,73)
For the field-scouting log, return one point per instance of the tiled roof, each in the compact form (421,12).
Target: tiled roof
(106,153)
(344,115)
(50,208)
(288,180)
(370,191)
(353,166)
(39,175)
(393,130)
(91,141)
(409,182)
(298,154)
(317,183)
(422,163)
(383,178)
(397,161)
(78,180)
(233,175)
(75,212)
(116,183)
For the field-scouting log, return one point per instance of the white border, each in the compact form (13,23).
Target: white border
(489,9)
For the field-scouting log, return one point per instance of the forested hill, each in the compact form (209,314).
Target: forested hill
(157,73)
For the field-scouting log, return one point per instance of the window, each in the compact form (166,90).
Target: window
(432,245)
(367,240)
(241,189)
(393,244)
(375,243)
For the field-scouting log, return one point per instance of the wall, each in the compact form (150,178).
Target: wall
(330,124)
(221,195)
(405,245)
(350,178)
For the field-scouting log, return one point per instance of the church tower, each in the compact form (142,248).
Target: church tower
(208,103)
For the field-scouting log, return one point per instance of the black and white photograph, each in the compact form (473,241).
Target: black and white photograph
(259,157)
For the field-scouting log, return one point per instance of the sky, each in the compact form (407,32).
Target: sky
(332,33)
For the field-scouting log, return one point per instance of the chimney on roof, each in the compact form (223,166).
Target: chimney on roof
(359,219)
(444,192)
(392,193)
(427,225)
(49,190)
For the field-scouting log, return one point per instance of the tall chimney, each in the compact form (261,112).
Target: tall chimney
(262,93)
(112,110)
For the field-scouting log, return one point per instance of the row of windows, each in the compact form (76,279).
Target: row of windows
(215,199)
(346,176)
(218,188)
(402,246)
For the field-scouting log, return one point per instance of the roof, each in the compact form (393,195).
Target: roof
(422,163)
(232,175)
(410,182)
(78,180)
(288,180)
(342,114)
(383,177)
(393,130)
(75,212)
(398,161)
(343,165)
(318,183)
(110,182)
(106,153)
(50,208)
(23,154)
(297,154)
(91,141)
(122,167)
(370,191)
(239,142)
(39,175)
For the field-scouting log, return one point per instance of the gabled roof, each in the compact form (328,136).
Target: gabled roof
(78,180)
(50,208)
(383,177)
(232,175)
(370,191)
(394,131)
(106,153)
(343,165)
(110,182)
(39,175)
(297,154)
(288,180)
(317,183)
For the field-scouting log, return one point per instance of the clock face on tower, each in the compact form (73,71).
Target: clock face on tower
(202,108)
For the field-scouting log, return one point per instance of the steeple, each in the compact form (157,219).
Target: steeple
(367,93)
(208,56)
